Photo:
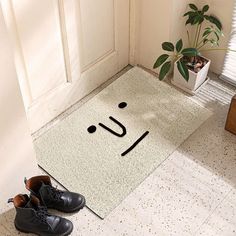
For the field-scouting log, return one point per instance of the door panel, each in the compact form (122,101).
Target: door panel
(64,49)
(97,30)
(35,19)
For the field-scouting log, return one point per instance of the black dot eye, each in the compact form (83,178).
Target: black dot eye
(122,105)
(91,129)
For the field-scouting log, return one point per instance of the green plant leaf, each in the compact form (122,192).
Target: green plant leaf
(167,46)
(196,20)
(215,21)
(189,52)
(183,70)
(189,13)
(201,20)
(219,32)
(213,42)
(217,36)
(179,45)
(206,32)
(192,18)
(160,60)
(194,7)
(189,21)
(200,13)
(164,70)
(205,8)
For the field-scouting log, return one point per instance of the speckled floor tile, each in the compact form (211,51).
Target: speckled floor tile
(223,220)
(7,227)
(191,193)
(211,147)
(170,202)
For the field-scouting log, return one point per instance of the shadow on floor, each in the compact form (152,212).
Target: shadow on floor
(7,227)
(211,146)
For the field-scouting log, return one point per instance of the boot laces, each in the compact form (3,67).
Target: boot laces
(42,214)
(56,193)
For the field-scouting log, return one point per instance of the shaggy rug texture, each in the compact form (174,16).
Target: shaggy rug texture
(107,147)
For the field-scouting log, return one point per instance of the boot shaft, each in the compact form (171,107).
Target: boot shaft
(29,213)
(28,219)
(65,201)
(31,217)
(34,184)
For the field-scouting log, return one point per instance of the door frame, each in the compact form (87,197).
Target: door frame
(135,7)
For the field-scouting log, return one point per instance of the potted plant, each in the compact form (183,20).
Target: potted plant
(190,67)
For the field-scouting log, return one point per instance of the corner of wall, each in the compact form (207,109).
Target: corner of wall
(16,150)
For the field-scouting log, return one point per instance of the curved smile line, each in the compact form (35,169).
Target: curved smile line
(112,131)
(135,143)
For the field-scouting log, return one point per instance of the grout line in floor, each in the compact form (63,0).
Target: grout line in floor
(212,212)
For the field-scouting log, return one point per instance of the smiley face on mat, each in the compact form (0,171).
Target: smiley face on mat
(92,129)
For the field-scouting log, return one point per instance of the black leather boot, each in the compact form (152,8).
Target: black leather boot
(65,201)
(31,217)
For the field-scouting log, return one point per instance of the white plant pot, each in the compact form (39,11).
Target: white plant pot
(196,80)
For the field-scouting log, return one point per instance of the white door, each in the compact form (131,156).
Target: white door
(64,49)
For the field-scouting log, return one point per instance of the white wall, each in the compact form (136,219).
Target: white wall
(177,27)
(156,21)
(16,149)
(160,20)
(224,11)
(152,27)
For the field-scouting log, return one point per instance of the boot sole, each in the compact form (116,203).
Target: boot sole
(29,232)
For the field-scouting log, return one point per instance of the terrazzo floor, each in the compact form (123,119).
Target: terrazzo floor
(192,193)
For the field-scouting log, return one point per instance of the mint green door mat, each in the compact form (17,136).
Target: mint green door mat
(107,147)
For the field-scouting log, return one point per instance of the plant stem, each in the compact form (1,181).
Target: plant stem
(201,41)
(195,37)
(199,31)
(200,46)
(175,57)
(218,49)
(188,39)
